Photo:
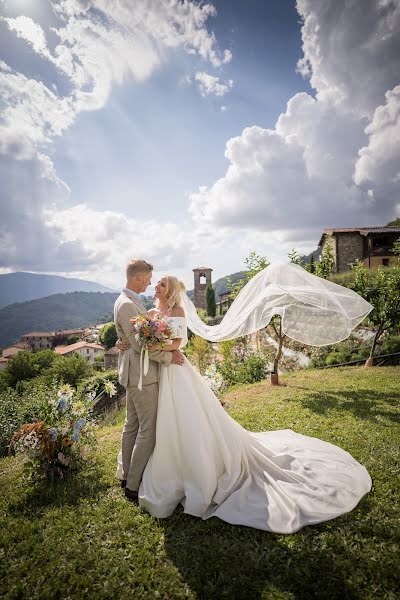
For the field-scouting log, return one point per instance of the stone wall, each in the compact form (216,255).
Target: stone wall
(349,248)
(377,261)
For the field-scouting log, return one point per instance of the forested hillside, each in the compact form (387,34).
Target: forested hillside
(59,311)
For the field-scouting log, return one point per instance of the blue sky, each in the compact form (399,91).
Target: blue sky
(192,135)
(158,141)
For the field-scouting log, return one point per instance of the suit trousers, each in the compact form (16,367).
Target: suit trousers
(139,433)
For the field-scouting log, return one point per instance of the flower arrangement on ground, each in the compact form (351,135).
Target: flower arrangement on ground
(63,441)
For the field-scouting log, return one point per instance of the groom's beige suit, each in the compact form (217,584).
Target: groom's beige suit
(139,433)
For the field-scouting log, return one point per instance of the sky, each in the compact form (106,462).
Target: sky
(190,134)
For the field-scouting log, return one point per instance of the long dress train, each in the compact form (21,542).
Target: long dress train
(277,481)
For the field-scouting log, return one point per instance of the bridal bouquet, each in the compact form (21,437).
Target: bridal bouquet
(151,331)
(147,333)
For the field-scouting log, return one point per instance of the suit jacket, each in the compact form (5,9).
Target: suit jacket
(126,307)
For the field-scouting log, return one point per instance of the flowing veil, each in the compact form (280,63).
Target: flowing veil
(314,311)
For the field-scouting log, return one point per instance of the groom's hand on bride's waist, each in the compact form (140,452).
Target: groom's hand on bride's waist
(122,345)
(177,358)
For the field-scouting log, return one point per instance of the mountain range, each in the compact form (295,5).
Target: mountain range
(20,286)
(65,309)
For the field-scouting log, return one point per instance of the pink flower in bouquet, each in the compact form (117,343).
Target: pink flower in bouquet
(151,331)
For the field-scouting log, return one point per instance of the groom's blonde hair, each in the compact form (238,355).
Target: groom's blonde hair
(137,266)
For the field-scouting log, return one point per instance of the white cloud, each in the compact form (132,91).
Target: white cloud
(379,160)
(208,84)
(113,239)
(101,44)
(351,50)
(31,115)
(314,169)
(30,31)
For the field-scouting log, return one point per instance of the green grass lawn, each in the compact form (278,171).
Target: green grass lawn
(82,539)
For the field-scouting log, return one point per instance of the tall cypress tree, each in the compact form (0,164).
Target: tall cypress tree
(210,299)
(312,264)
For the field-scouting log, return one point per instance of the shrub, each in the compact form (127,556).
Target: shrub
(70,370)
(99,382)
(108,335)
(199,351)
(16,409)
(250,370)
(337,357)
(25,366)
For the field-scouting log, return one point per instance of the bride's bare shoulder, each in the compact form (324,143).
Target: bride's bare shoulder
(177,311)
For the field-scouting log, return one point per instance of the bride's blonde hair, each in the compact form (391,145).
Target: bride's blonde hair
(174,289)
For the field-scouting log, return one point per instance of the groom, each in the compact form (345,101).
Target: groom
(139,433)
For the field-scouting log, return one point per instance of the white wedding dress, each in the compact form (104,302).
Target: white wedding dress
(277,481)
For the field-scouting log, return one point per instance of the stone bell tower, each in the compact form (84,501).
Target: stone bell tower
(202,278)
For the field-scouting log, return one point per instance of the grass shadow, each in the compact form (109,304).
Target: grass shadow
(68,492)
(364,404)
(218,560)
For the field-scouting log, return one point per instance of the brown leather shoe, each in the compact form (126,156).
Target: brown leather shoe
(132,495)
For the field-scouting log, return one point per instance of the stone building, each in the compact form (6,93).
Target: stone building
(372,245)
(111,358)
(39,339)
(14,349)
(202,278)
(85,349)
(225,300)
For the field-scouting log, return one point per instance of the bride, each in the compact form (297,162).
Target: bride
(276,481)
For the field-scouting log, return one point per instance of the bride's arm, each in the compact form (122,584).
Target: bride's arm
(169,347)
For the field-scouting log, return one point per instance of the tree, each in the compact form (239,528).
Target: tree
(108,335)
(394,223)
(324,267)
(311,264)
(382,290)
(295,257)
(210,298)
(396,248)
(21,367)
(71,369)
(27,365)
(254,264)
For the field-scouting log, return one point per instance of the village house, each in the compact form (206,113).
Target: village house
(111,358)
(3,363)
(87,350)
(14,349)
(372,245)
(39,340)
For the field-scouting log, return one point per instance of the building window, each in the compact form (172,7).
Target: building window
(87,350)
(385,262)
